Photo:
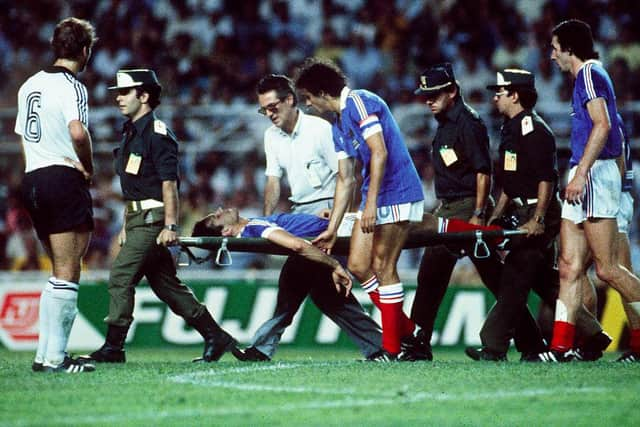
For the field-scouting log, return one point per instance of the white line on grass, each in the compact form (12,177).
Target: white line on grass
(154,416)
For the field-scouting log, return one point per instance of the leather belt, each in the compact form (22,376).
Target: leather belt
(521,201)
(139,205)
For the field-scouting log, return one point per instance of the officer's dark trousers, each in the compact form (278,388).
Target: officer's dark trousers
(301,277)
(141,256)
(525,269)
(433,278)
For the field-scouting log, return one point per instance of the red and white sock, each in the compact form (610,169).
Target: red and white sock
(393,318)
(635,340)
(371,287)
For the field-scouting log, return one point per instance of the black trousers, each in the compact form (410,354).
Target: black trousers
(435,272)
(433,278)
(301,277)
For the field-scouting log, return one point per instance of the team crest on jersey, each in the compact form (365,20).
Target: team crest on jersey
(159,127)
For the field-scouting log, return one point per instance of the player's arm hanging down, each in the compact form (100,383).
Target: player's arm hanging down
(304,248)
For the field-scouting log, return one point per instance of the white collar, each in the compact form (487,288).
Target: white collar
(344,93)
(296,127)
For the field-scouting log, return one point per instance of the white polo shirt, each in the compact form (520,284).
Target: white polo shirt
(307,156)
(47,102)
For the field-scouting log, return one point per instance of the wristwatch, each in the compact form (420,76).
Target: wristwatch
(171,227)
(479,213)
(539,219)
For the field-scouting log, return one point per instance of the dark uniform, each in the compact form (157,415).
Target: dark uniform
(148,142)
(460,152)
(148,156)
(527,157)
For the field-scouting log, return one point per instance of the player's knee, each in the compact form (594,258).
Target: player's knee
(359,268)
(569,269)
(607,272)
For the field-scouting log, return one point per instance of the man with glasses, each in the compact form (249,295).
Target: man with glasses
(301,146)
(529,170)
(462,164)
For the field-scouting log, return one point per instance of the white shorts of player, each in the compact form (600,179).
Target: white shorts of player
(601,198)
(625,214)
(398,213)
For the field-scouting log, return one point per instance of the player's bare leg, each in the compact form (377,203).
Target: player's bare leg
(573,256)
(388,240)
(67,250)
(633,318)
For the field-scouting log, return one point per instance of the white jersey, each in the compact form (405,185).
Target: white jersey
(47,102)
(307,156)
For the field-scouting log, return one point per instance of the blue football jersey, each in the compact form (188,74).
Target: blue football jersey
(592,81)
(364,114)
(301,225)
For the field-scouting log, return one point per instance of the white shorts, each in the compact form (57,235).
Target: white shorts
(625,214)
(601,198)
(398,213)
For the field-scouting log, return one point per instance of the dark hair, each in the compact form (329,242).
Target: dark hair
(154,94)
(71,36)
(281,84)
(318,76)
(528,96)
(201,229)
(575,37)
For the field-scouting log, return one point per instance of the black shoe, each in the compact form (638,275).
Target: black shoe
(69,366)
(484,354)
(250,354)
(629,357)
(37,367)
(529,357)
(554,356)
(593,349)
(215,348)
(415,348)
(105,354)
(381,356)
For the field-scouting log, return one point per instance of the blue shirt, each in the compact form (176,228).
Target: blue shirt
(363,114)
(592,81)
(301,225)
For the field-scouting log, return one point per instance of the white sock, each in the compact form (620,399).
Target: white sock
(636,306)
(43,321)
(62,312)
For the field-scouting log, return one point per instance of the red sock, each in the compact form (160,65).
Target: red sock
(393,318)
(635,340)
(453,225)
(370,286)
(563,335)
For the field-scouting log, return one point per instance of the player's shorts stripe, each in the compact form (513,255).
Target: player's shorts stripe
(588,198)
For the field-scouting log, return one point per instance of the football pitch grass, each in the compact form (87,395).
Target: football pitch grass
(320,387)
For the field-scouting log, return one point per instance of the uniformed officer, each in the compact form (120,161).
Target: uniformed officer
(529,197)
(147,163)
(462,167)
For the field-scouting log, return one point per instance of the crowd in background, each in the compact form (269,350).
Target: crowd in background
(209,54)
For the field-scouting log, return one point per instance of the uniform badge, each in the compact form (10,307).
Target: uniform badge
(510,161)
(527,125)
(159,127)
(133,164)
(448,156)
